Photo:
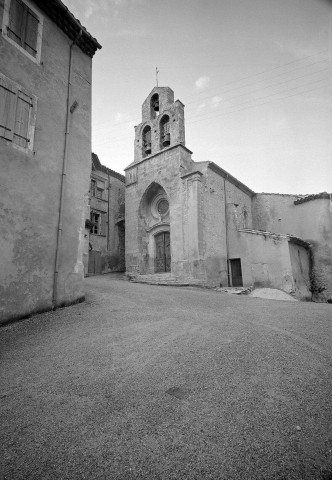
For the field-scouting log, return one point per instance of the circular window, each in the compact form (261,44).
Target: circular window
(162,206)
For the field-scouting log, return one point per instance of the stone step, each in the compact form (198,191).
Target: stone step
(159,279)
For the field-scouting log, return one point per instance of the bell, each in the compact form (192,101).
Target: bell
(167,140)
(147,148)
(156,105)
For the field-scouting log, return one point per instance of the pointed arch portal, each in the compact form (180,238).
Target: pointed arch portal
(154,230)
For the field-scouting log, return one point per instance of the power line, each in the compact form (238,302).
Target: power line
(117,140)
(267,71)
(273,85)
(264,103)
(264,80)
(243,78)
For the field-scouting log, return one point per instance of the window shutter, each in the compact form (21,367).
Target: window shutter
(31,32)
(21,129)
(103,225)
(8,96)
(16,16)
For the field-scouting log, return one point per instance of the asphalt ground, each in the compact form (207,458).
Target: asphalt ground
(152,382)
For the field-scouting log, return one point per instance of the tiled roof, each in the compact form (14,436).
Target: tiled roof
(308,198)
(98,166)
(286,236)
(64,19)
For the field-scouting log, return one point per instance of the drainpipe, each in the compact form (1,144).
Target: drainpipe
(226,227)
(69,110)
(108,213)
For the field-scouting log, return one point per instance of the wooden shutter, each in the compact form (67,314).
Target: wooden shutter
(21,128)
(31,32)
(8,97)
(103,225)
(16,17)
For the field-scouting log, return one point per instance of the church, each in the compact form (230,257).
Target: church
(193,222)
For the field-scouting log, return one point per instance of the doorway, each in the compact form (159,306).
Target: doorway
(94,266)
(236,272)
(163,252)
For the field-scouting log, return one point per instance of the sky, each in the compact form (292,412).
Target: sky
(254,76)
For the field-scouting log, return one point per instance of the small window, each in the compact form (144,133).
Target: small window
(99,193)
(97,188)
(17,114)
(146,141)
(22,25)
(165,136)
(98,219)
(95,219)
(93,188)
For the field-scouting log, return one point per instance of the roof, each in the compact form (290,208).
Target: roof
(98,166)
(227,176)
(286,236)
(65,20)
(308,198)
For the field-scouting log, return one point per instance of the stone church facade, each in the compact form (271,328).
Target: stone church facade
(199,224)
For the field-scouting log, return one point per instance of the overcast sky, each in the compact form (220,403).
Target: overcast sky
(254,75)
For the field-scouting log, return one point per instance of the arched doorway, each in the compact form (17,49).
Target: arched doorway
(154,238)
(162,252)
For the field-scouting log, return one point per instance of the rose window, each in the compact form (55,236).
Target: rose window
(162,206)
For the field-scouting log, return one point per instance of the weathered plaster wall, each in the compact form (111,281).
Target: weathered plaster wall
(310,221)
(214,228)
(273,262)
(218,217)
(30,184)
(300,261)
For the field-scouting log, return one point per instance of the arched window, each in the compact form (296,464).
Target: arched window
(146,141)
(154,106)
(165,136)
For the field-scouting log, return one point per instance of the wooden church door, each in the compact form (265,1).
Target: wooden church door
(163,252)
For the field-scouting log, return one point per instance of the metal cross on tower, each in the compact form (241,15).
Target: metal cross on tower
(157,71)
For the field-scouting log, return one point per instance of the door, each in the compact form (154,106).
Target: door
(163,252)
(94,265)
(236,272)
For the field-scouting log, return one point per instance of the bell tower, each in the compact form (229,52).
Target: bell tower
(162,124)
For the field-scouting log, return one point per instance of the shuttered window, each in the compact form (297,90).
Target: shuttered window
(22,27)
(8,97)
(103,224)
(15,113)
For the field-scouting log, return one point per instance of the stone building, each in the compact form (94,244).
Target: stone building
(106,245)
(45,154)
(194,222)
